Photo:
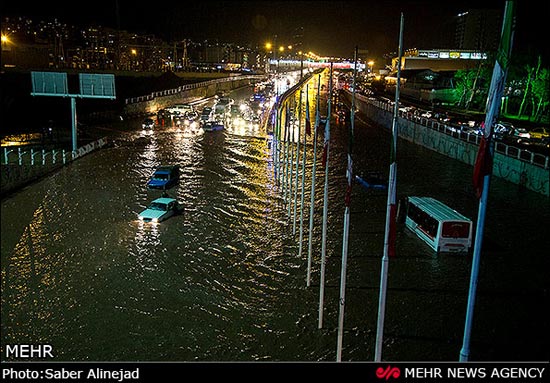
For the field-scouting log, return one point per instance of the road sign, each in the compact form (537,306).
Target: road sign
(49,84)
(94,85)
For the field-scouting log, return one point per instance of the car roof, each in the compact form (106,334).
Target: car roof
(164,200)
(167,167)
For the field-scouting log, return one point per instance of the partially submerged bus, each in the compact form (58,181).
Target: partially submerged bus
(441,227)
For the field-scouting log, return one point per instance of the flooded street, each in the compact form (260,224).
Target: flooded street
(223,282)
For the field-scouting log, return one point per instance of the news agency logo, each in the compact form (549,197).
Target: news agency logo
(388,372)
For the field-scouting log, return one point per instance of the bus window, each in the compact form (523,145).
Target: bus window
(426,223)
(455,230)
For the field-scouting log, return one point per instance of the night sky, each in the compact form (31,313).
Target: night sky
(331,28)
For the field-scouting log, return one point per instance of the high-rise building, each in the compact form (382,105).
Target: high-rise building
(478,29)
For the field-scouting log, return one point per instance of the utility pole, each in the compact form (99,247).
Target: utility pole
(185,59)
(175,56)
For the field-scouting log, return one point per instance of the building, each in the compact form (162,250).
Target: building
(427,75)
(478,29)
(439,59)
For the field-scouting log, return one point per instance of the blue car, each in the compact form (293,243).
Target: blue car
(164,177)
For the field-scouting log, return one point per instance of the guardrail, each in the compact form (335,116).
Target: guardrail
(528,156)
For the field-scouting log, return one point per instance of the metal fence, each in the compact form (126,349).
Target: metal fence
(42,157)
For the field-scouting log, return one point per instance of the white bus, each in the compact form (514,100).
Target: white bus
(441,227)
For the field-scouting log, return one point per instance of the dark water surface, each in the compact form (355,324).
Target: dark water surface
(223,282)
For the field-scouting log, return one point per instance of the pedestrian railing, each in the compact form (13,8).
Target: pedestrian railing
(42,157)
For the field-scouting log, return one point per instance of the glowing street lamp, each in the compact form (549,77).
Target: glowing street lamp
(133,62)
(370,64)
(7,46)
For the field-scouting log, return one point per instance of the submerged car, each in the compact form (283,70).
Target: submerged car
(164,177)
(159,210)
(148,123)
(206,114)
(213,125)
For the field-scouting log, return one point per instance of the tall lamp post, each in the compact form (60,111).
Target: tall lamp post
(6,47)
(301,64)
(268,47)
(281,50)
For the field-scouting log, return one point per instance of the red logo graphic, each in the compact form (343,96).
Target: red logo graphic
(388,372)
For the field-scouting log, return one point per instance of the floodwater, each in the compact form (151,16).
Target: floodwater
(223,280)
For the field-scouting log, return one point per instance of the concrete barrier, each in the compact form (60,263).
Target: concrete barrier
(150,104)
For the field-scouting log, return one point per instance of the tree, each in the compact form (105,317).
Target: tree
(464,80)
(540,90)
(536,93)
(531,74)
(470,87)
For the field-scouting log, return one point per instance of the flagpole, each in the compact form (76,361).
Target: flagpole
(325,204)
(346,224)
(282,135)
(279,146)
(389,237)
(492,109)
(313,171)
(290,163)
(285,153)
(304,173)
(275,146)
(297,163)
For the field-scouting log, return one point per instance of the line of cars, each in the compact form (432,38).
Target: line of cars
(210,118)
(227,112)
(505,132)
(536,137)
(178,114)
